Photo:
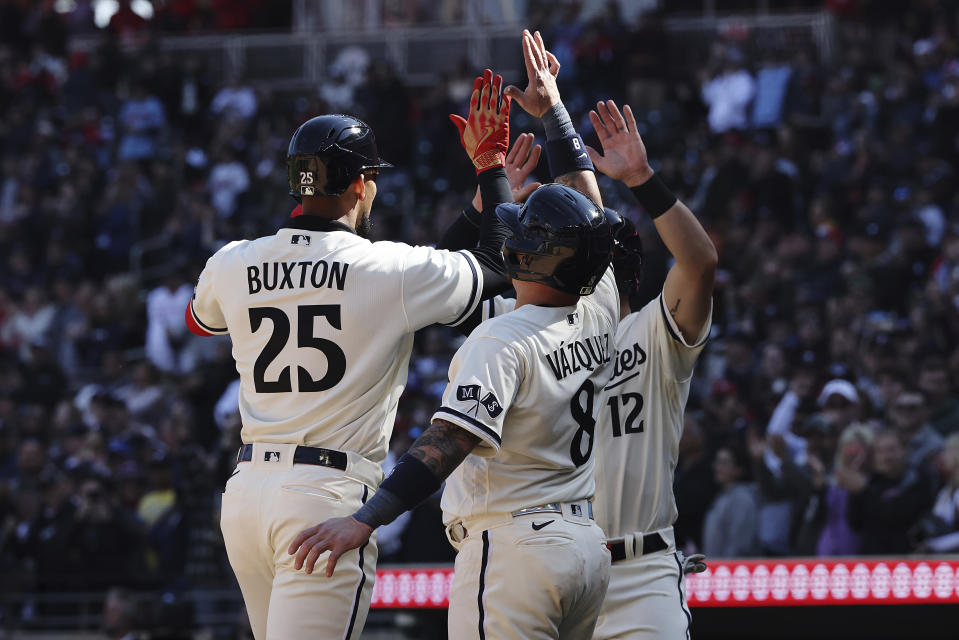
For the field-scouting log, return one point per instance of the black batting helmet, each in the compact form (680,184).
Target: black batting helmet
(560,238)
(327,153)
(627,252)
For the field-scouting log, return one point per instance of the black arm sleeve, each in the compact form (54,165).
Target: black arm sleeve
(473,228)
(464,232)
(494,188)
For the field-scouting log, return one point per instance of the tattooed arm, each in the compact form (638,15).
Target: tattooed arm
(417,475)
(442,447)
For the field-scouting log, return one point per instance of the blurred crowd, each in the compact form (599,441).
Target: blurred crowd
(824,415)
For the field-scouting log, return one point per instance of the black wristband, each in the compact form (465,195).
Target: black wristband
(654,196)
(411,481)
(566,155)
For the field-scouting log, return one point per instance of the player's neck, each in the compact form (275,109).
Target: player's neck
(624,309)
(332,208)
(542,296)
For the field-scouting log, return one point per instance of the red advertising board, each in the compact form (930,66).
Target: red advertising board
(741,583)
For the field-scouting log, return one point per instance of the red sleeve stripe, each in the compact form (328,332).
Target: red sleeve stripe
(196,326)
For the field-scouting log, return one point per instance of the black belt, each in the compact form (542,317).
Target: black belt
(651,542)
(301,455)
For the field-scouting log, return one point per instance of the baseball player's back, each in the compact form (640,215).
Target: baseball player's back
(637,446)
(540,451)
(642,422)
(322,323)
(518,508)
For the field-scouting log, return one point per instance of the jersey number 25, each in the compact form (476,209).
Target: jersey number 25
(335,358)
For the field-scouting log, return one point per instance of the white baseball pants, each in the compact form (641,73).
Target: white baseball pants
(265,505)
(514,582)
(646,599)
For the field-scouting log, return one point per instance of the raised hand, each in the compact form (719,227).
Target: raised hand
(541,92)
(337,535)
(484,133)
(522,158)
(624,154)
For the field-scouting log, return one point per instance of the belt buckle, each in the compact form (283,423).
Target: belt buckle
(552,507)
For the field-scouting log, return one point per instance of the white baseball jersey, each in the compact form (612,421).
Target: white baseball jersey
(322,324)
(528,385)
(641,421)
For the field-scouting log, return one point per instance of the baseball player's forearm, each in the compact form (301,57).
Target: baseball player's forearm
(566,153)
(493,233)
(688,288)
(419,473)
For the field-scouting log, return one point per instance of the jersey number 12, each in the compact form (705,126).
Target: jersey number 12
(335,358)
(618,427)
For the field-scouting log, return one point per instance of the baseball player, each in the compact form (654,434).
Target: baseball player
(641,420)
(322,323)
(518,416)
(645,400)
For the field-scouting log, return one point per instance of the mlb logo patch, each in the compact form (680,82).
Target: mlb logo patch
(271,456)
(300,239)
(492,405)
(576,510)
(572,318)
(467,392)
(306,191)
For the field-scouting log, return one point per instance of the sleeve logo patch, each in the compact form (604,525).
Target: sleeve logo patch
(492,405)
(466,392)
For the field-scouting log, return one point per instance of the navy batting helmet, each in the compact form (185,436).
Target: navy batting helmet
(627,252)
(327,153)
(560,238)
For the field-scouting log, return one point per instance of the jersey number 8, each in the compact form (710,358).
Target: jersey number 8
(582,411)
(335,358)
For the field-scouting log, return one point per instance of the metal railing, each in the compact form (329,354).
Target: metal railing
(422,55)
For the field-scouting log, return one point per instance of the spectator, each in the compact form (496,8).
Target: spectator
(168,342)
(234,101)
(229,179)
(852,466)
(907,415)
(840,403)
(772,86)
(693,484)
(337,93)
(729,529)
(941,396)
(142,120)
(883,508)
(938,532)
(728,94)
(119,615)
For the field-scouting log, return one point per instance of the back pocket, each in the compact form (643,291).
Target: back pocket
(319,492)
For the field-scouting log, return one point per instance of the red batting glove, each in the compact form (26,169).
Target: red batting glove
(485,132)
